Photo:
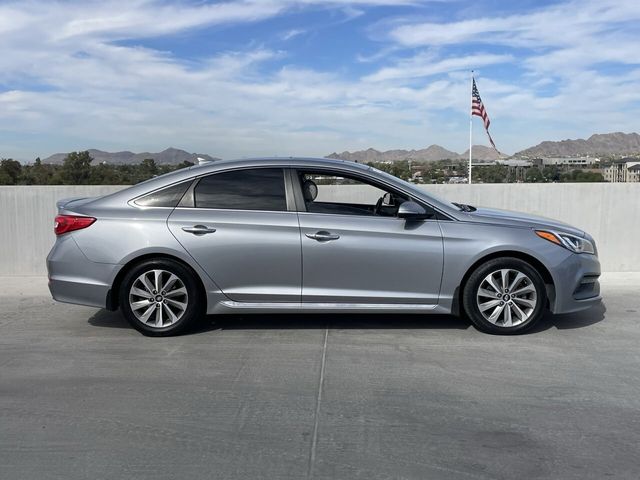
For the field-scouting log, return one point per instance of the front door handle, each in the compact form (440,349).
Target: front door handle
(323,236)
(199,229)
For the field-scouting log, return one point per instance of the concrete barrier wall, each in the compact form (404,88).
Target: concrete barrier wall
(26,223)
(610,212)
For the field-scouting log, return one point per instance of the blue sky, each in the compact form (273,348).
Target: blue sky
(309,77)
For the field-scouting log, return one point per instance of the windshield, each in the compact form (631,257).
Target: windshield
(419,191)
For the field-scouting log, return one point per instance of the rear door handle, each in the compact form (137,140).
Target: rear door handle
(323,236)
(199,229)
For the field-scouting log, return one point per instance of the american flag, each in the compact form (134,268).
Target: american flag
(477,108)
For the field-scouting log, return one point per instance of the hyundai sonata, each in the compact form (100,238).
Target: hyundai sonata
(311,235)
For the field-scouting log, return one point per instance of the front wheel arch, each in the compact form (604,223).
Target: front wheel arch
(113,296)
(531,260)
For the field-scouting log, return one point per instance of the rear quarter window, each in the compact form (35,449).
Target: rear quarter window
(165,197)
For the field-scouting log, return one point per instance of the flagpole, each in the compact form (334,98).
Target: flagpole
(470,132)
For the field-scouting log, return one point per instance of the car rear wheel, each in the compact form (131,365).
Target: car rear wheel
(160,297)
(504,296)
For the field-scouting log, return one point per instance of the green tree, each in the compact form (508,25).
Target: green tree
(105,174)
(490,174)
(551,173)
(582,176)
(5,179)
(148,167)
(10,171)
(76,168)
(39,173)
(534,175)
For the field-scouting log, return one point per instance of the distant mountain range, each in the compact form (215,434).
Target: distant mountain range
(170,156)
(429,154)
(616,143)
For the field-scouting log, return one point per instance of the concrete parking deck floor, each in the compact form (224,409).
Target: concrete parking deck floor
(82,395)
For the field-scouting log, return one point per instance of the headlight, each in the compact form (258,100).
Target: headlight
(568,241)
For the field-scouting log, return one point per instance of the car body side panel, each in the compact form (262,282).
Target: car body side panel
(75,279)
(466,243)
(119,236)
(253,256)
(375,260)
(120,233)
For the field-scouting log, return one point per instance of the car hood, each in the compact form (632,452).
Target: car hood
(518,219)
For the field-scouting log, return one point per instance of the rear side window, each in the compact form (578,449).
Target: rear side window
(250,189)
(166,197)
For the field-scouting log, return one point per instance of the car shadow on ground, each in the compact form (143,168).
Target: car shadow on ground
(298,321)
(568,321)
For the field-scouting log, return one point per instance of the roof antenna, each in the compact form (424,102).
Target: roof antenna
(202,161)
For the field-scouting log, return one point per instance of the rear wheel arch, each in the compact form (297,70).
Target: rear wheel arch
(114,293)
(531,260)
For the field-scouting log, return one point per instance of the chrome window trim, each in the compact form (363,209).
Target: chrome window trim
(379,217)
(235,210)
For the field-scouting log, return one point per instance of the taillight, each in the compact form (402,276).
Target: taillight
(69,223)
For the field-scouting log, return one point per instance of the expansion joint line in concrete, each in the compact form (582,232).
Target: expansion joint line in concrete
(314,436)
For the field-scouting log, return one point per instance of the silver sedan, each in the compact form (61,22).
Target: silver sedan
(312,235)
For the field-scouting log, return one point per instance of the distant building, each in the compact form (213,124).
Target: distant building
(515,162)
(623,170)
(568,162)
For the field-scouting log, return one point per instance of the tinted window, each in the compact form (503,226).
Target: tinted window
(256,189)
(167,197)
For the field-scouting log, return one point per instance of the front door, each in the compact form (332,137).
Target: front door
(356,250)
(241,233)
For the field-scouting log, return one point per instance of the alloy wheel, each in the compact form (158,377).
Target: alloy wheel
(507,297)
(158,298)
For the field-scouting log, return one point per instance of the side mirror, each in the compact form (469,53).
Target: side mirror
(412,211)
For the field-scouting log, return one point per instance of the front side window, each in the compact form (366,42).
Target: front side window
(247,189)
(326,192)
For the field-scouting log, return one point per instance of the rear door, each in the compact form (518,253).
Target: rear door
(242,232)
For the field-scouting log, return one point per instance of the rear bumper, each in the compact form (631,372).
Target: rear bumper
(577,285)
(75,279)
(80,293)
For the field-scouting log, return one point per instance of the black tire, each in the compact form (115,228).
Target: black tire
(470,299)
(186,317)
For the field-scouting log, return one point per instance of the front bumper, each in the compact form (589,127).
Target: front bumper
(75,279)
(576,283)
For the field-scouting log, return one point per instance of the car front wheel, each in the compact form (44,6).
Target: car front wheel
(504,296)
(160,297)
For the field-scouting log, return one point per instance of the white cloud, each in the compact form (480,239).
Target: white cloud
(289,34)
(557,25)
(79,88)
(429,64)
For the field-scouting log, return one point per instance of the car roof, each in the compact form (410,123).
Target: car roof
(204,168)
(214,166)
(285,161)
